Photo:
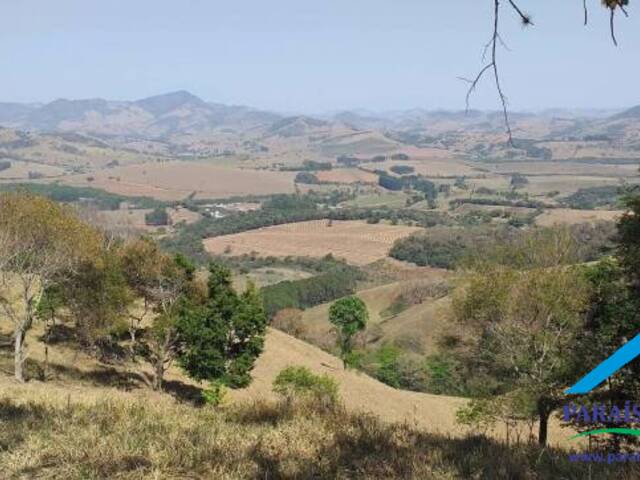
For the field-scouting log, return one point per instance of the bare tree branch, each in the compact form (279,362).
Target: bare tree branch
(492,66)
(586,12)
(613,26)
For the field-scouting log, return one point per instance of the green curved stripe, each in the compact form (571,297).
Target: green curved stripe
(621,431)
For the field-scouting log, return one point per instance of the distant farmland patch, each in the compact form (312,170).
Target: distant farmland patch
(429,167)
(356,242)
(347,175)
(177,180)
(571,216)
(19,170)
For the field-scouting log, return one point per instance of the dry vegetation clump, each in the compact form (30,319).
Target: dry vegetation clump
(135,439)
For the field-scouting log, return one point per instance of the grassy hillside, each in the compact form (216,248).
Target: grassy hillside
(87,424)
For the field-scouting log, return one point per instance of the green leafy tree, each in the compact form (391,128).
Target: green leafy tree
(349,315)
(97,297)
(629,241)
(223,336)
(614,317)
(157,217)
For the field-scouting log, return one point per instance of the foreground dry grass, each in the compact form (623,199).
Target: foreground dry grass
(50,432)
(357,242)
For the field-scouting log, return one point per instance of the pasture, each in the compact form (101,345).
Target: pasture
(177,180)
(356,242)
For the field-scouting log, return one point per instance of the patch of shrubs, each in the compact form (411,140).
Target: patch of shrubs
(594,197)
(157,217)
(402,169)
(299,384)
(307,178)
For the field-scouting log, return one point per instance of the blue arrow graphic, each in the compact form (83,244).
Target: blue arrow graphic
(611,365)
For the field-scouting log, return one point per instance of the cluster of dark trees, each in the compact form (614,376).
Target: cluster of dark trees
(5,165)
(425,251)
(309,166)
(67,194)
(518,180)
(592,241)
(307,178)
(337,283)
(595,197)
(402,169)
(409,182)
(157,217)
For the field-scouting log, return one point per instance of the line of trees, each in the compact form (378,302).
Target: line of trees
(55,268)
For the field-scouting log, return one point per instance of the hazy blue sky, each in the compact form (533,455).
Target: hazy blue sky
(322,55)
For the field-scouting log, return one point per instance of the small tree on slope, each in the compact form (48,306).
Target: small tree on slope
(223,336)
(349,315)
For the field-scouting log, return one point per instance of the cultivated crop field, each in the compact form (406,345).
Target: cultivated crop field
(176,180)
(356,242)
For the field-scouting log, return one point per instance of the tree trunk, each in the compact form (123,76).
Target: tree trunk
(18,356)
(159,369)
(159,375)
(543,429)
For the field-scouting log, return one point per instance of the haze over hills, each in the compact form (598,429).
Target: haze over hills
(183,112)
(182,124)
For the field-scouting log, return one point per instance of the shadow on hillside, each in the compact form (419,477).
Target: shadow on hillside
(60,334)
(101,376)
(184,392)
(365,447)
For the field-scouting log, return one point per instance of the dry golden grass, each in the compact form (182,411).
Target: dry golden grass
(565,168)
(20,170)
(570,216)
(565,184)
(423,323)
(356,242)
(428,167)
(111,435)
(177,180)
(347,175)
(102,421)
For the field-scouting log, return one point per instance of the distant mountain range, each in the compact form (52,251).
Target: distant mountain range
(181,113)
(153,117)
